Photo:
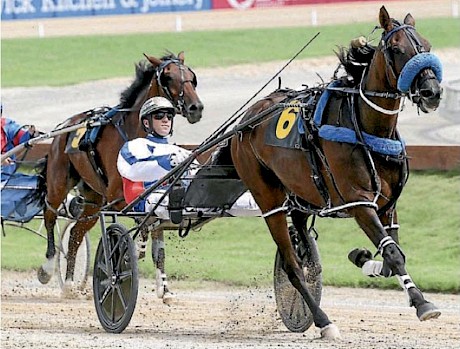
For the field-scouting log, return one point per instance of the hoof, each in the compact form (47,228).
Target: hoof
(43,276)
(428,311)
(169,298)
(330,332)
(69,291)
(359,256)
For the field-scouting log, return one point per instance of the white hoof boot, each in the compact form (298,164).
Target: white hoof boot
(69,290)
(330,332)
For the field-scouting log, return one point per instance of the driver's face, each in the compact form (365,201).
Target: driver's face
(162,126)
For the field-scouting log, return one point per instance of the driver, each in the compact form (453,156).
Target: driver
(143,161)
(12,134)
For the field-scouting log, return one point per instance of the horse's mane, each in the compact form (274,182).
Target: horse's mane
(355,60)
(144,74)
(169,56)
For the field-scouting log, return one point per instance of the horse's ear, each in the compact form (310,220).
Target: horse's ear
(155,61)
(409,20)
(181,57)
(385,20)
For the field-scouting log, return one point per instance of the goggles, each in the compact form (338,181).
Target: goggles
(161,115)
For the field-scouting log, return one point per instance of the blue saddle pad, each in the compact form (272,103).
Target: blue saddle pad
(19,201)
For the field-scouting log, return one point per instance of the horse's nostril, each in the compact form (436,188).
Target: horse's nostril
(195,107)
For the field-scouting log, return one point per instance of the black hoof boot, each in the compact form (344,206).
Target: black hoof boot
(428,311)
(359,256)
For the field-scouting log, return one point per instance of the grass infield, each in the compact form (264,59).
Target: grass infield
(70,60)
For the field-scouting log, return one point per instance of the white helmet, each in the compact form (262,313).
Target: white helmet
(153,105)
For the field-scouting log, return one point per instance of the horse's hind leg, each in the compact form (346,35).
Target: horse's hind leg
(86,221)
(269,195)
(58,184)
(386,241)
(46,270)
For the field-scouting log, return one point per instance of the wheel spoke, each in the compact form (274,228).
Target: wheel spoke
(122,257)
(105,294)
(115,247)
(121,297)
(125,275)
(102,267)
(113,306)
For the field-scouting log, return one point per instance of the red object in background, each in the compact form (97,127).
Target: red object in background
(245,4)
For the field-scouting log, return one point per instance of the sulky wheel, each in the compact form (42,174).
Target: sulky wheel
(115,279)
(290,304)
(82,260)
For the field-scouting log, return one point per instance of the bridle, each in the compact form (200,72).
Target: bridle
(180,104)
(385,46)
(403,81)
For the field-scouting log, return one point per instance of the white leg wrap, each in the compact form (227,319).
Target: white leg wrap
(384,243)
(372,268)
(245,206)
(161,283)
(141,245)
(49,266)
(406,283)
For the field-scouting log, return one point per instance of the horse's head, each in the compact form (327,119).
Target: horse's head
(410,66)
(177,82)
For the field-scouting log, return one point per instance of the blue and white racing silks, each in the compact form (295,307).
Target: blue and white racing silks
(147,160)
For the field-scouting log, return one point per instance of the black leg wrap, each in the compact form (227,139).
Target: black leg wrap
(359,256)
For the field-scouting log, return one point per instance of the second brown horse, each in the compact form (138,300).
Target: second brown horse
(94,171)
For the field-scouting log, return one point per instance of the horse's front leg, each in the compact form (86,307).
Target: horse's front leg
(46,270)
(85,222)
(384,234)
(158,257)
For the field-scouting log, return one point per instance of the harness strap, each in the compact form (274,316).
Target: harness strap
(326,212)
(372,104)
(390,95)
(312,154)
(275,210)
(49,207)
(370,162)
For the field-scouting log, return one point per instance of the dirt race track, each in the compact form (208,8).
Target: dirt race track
(214,316)
(211,316)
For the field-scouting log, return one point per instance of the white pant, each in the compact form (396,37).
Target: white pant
(244,206)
